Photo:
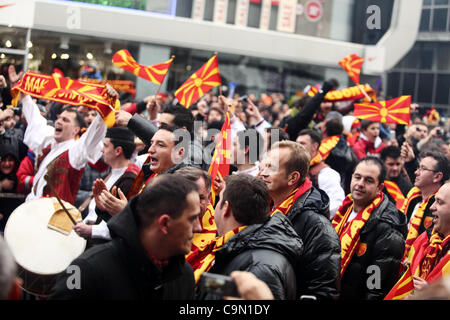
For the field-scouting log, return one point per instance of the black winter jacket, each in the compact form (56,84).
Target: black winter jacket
(268,251)
(318,274)
(373,271)
(121,269)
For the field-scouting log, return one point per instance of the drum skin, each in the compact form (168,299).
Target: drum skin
(40,252)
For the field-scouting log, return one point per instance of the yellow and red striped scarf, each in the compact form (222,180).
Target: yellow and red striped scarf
(209,229)
(287,204)
(395,193)
(424,263)
(416,220)
(349,232)
(202,259)
(324,150)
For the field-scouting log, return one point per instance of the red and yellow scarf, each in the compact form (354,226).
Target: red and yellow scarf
(287,204)
(209,229)
(424,262)
(349,232)
(202,259)
(395,192)
(416,220)
(325,148)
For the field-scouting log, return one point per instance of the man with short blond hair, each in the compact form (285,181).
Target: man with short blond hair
(285,171)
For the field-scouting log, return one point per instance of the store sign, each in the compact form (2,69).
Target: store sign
(266,7)
(313,10)
(198,9)
(241,16)
(286,15)
(17,13)
(220,11)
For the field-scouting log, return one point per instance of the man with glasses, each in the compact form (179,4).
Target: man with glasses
(372,233)
(433,171)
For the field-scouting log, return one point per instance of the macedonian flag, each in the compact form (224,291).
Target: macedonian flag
(198,84)
(352,65)
(154,73)
(391,111)
(222,154)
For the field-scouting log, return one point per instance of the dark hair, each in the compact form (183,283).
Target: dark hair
(127,148)
(182,116)
(166,195)
(79,118)
(391,152)
(193,174)
(376,161)
(245,137)
(315,137)
(282,135)
(333,127)
(248,197)
(442,162)
(365,124)
(171,129)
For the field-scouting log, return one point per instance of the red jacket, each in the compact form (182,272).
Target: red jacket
(364,147)
(25,174)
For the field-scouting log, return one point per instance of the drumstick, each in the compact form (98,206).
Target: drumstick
(59,200)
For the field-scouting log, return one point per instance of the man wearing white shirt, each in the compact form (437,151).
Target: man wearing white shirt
(247,147)
(60,156)
(322,176)
(117,150)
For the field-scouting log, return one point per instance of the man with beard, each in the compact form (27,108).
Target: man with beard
(372,233)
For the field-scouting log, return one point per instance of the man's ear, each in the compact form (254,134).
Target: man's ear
(294,178)
(77,130)
(226,209)
(163,223)
(381,187)
(438,177)
(118,151)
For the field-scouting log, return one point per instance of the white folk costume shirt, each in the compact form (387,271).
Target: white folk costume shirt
(253,171)
(38,135)
(101,230)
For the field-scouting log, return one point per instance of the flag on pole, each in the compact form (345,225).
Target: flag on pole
(352,65)
(154,73)
(198,84)
(391,111)
(220,164)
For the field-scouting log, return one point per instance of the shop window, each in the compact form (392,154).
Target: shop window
(425,20)
(442,89)
(393,85)
(409,83)
(440,19)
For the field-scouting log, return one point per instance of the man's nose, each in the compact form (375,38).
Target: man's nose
(197,225)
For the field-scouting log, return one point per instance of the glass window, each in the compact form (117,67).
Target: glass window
(254,15)
(440,2)
(412,59)
(425,90)
(426,2)
(409,84)
(440,20)
(393,85)
(442,88)
(426,56)
(425,20)
(443,57)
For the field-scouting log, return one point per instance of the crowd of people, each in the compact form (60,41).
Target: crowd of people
(316,204)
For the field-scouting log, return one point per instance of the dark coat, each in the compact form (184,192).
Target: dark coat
(384,236)
(403,184)
(121,269)
(268,251)
(318,274)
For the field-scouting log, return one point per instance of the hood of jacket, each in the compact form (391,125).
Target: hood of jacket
(277,234)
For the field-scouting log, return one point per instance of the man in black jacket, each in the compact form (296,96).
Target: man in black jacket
(145,259)
(372,232)
(249,240)
(285,171)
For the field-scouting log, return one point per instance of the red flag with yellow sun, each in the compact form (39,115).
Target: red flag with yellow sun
(198,84)
(391,111)
(352,65)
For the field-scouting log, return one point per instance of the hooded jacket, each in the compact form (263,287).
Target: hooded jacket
(318,274)
(121,268)
(268,251)
(374,267)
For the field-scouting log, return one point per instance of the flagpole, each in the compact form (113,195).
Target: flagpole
(364,92)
